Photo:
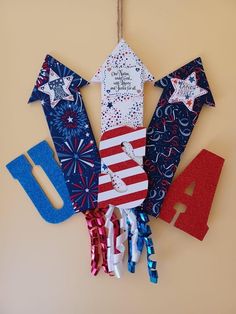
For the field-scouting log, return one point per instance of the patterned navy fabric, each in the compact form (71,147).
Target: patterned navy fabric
(57,87)
(185,91)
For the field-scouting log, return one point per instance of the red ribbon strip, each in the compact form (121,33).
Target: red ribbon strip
(98,238)
(94,240)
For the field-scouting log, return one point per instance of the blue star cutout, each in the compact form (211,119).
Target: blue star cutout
(191,79)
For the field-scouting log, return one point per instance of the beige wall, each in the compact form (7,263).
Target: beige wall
(45,269)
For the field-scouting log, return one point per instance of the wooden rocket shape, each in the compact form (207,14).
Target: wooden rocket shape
(122,77)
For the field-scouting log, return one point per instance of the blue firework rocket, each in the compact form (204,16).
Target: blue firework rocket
(185,91)
(58,89)
(76,156)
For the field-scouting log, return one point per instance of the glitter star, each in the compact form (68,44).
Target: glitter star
(57,88)
(186,91)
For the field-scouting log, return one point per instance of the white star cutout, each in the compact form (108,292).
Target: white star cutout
(57,88)
(70,119)
(186,91)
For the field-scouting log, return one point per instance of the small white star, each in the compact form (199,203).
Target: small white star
(87,190)
(87,134)
(186,91)
(70,119)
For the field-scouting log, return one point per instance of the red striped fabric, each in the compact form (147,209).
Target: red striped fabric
(128,180)
(121,200)
(116,149)
(117,160)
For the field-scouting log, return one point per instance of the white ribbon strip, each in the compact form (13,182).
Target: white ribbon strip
(118,258)
(134,237)
(110,238)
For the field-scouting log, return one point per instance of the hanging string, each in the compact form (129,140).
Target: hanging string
(119,20)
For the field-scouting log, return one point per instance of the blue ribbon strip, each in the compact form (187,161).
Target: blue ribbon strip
(143,238)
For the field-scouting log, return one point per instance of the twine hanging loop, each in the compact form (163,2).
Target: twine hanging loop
(119,20)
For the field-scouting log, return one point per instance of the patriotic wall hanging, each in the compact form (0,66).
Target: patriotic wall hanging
(128,176)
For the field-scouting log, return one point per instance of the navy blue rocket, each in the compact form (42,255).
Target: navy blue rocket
(57,87)
(185,91)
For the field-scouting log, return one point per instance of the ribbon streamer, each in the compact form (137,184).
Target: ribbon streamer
(100,247)
(116,228)
(115,240)
(144,233)
(100,221)
(94,240)
(120,240)
(133,235)
(110,238)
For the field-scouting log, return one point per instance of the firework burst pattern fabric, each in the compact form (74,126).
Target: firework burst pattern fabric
(68,120)
(57,87)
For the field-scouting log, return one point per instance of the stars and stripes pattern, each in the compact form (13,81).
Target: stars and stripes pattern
(120,163)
